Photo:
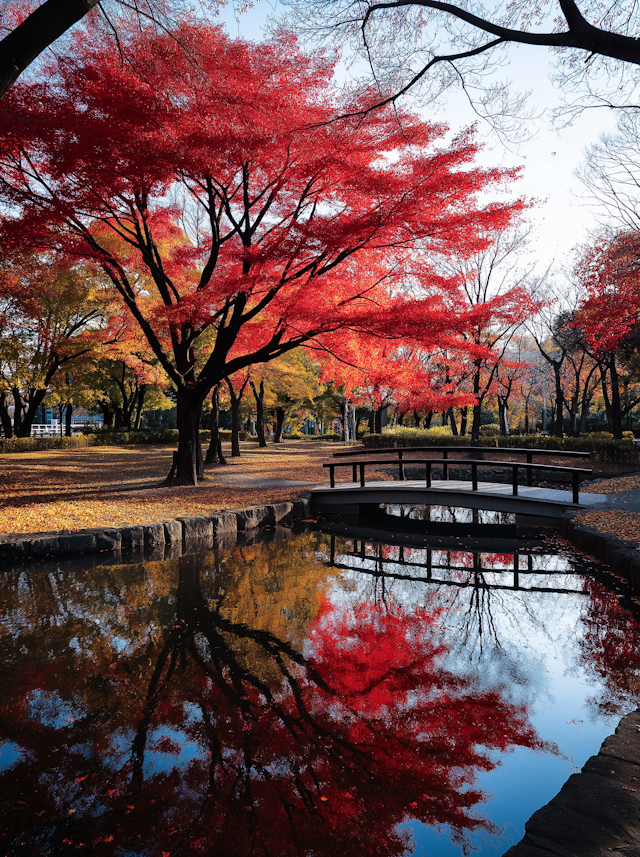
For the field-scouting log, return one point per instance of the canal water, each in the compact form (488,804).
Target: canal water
(344,691)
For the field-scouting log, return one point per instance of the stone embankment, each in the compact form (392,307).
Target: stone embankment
(219,527)
(597,812)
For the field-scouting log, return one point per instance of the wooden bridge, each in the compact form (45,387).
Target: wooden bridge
(524,499)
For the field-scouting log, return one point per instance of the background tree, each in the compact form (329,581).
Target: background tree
(51,315)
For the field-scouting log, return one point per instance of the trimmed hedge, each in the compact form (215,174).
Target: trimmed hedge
(603,449)
(103,438)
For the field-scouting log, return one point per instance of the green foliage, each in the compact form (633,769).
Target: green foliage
(405,436)
(602,448)
(491,430)
(35,444)
(102,438)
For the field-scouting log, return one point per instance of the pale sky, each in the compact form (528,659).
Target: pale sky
(561,220)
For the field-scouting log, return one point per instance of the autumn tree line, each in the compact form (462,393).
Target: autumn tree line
(203,221)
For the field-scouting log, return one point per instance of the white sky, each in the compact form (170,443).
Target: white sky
(560,221)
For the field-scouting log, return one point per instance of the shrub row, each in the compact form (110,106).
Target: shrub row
(102,438)
(601,448)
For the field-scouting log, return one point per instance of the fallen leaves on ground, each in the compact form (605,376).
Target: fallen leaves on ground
(625,525)
(54,490)
(613,486)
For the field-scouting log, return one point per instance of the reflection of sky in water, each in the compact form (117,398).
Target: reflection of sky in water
(450,514)
(502,629)
(526,643)
(10,753)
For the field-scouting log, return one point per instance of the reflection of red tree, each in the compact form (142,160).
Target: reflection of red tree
(610,647)
(320,753)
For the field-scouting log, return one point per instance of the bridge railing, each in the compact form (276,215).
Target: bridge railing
(399,452)
(516,466)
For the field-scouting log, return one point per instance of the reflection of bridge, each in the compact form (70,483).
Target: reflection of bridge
(496,564)
(471,494)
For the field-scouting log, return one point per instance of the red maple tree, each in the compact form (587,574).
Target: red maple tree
(259,222)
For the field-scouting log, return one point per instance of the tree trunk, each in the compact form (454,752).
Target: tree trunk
(464,413)
(214,453)
(475,425)
(259,397)
(559,428)
(142,392)
(188,465)
(5,419)
(378,420)
(454,424)
(26,417)
(427,419)
(108,414)
(416,418)
(235,427)
(279,425)
(67,419)
(612,401)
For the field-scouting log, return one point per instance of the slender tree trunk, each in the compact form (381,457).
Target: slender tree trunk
(142,392)
(258,395)
(377,416)
(416,418)
(279,425)
(214,452)
(67,419)
(464,413)
(559,427)
(454,424)
(346,424)
(427,419)
(235,427)
(616,409)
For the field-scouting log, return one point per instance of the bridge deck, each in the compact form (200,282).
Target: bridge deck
(497,496)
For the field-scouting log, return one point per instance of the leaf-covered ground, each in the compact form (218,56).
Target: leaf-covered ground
(58,490)
(625,525)
(613,486)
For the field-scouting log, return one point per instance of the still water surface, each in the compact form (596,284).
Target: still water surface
(319,696)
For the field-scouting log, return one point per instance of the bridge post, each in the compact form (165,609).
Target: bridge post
(428,473)
(354,473)
(332,475)
(514,479)
(362,475)
(576,486)
(529,469)
(474,476)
